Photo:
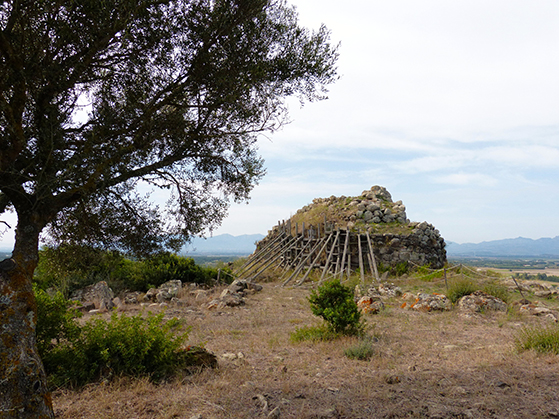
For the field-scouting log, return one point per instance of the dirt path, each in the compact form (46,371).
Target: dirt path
(426,365)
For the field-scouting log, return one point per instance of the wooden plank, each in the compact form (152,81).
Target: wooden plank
(361,266)
(258,254)
(344,254)
(315,259)
(373,257)
(298,255)
(302,263)
(264,255)
(330,256)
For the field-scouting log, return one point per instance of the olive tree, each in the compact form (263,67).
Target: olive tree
(100,100)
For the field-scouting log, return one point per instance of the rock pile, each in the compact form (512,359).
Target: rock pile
(396,239)
(234,294)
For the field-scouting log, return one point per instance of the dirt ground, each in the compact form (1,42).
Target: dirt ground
(425,365)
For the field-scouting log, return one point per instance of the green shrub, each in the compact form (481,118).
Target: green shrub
(134,346)
(56,320)
(335,304)
(70,267)
(540,339)
(460,288)
(401,268)
(363,350)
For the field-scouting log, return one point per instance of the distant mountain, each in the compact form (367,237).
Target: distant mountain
(519,247)
(224,244)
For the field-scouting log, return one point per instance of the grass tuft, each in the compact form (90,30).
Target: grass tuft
(363,350)
(543,339)
(461,288)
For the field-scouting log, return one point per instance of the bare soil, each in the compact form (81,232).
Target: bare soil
(425,365)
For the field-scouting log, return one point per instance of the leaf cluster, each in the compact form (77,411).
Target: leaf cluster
(334,302)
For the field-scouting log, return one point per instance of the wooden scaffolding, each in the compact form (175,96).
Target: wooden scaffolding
(299,250)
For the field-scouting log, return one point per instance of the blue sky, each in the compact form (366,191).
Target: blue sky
(453,106)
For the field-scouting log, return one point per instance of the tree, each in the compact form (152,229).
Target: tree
(100,98)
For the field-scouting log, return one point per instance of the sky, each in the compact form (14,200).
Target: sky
(453,106)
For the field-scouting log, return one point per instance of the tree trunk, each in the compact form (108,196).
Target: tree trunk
(23,387)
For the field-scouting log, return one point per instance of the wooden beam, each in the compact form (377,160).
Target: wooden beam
(373,257)
(361,266)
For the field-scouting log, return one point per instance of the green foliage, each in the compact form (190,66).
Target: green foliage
(401,268)
(335,304)
(426,274)
(167,266)
(56,320)
(363,350)
(135,346)
(538,276)
(459,288)
(540,339)
(69,267)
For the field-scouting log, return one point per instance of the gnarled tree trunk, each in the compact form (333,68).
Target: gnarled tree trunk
(23,388)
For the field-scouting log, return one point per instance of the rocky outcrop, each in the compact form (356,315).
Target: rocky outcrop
(480,301)
(97,296)
(394,238)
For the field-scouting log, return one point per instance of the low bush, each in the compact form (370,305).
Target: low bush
(363,350)
(460,288)
(544,339)
(56,320)
(133,346)
(335,304)
(75,355)
(70,267)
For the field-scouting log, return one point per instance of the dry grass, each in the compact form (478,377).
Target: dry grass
(436,365)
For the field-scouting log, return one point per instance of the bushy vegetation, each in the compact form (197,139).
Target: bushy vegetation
(544,339)
(460,288)
(56,320)
(124,345)
(335,304)
(538,276)
(70,267)
(363,350)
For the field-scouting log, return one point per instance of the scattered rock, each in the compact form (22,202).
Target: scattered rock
(430,302)
(233,295)
(368,305)
(536,310)
(480,301)
(98,294)
(389,290)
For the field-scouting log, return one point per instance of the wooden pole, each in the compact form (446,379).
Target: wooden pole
(327,264)
(361,265)
(315,259)
(372,257)
(301,264)
(344,254)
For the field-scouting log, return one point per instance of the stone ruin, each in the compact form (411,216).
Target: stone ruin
(343,234)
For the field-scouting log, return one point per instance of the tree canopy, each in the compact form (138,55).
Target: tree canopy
(100,97)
